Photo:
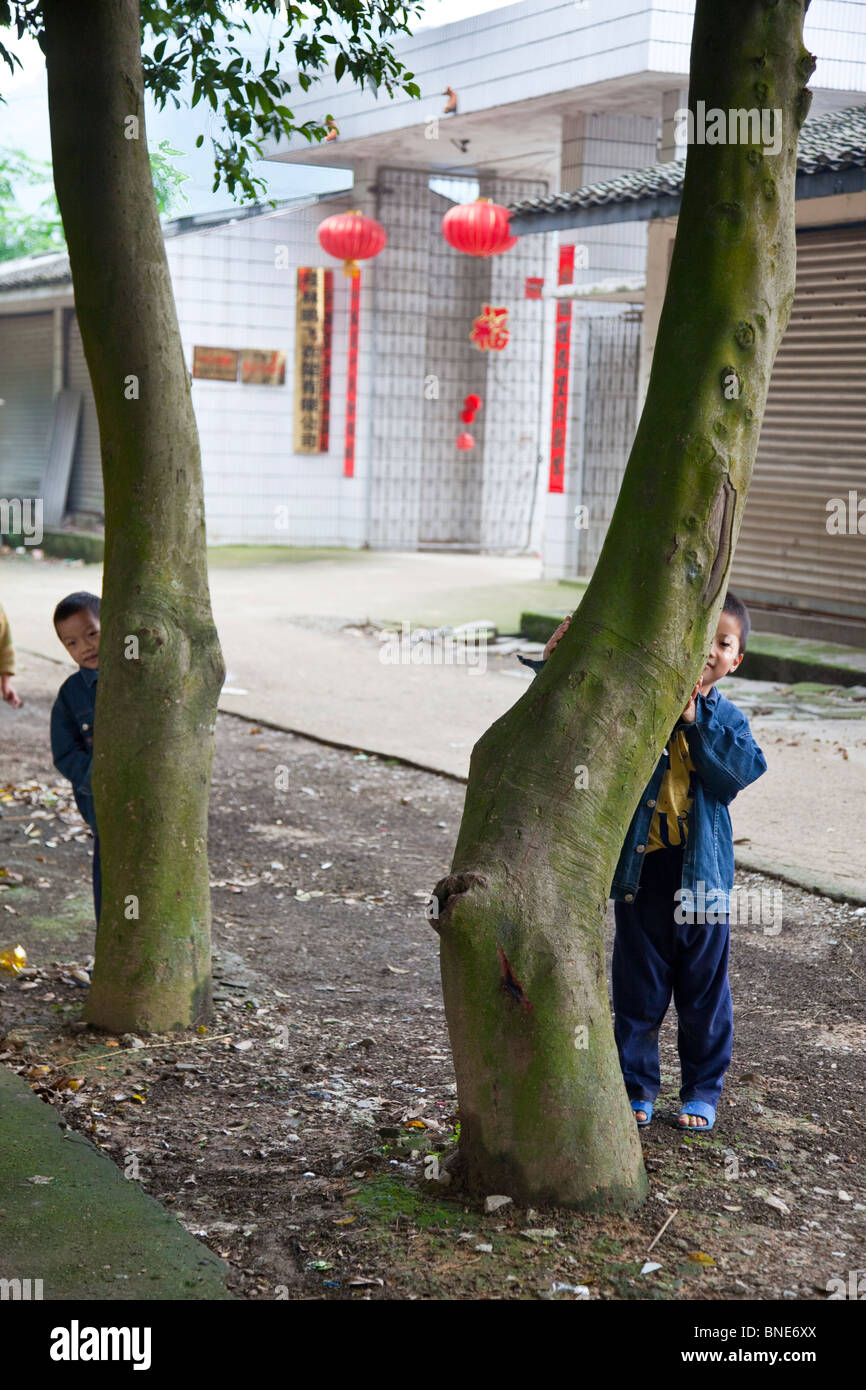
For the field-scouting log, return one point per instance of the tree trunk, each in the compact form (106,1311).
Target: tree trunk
(160,668)
(543,1108)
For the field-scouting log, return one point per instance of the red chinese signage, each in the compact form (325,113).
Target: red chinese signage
(312,360)
(490,329)
(352,377)
(534,286)
(561,364)
(325,387)
(215,364)
(262,368)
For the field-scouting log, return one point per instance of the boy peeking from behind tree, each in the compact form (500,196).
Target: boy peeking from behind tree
(671,890)
(76,622)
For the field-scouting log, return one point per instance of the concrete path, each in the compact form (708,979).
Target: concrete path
(286,649)
(69,1218)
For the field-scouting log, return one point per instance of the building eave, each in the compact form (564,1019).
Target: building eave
(824,184)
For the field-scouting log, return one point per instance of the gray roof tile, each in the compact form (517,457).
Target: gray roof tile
(834,141)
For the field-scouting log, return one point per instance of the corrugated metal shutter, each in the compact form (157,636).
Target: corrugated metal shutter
(85,486)
(813,440)
(26,390)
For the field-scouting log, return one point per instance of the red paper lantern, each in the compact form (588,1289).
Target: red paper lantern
(472,402)
(477,229)
(467,416)
(465,441)
(352,237)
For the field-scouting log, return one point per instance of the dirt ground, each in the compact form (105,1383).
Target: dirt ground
(293,1137)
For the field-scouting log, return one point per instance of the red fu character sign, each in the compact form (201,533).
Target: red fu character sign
(490,329)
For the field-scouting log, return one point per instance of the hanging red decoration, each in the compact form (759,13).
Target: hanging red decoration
(472,402)
(478,229)
(467,416)
(352,237)
(465,441)
(490,329)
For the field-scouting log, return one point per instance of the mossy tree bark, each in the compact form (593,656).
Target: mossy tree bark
(543,1109)
(161,668)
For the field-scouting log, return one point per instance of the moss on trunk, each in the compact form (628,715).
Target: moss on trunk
(160,668)
(543,1117)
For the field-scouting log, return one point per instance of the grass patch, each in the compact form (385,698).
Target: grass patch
(69,920)
(244,556)
(502,604)
(606,1245)
(385,1199)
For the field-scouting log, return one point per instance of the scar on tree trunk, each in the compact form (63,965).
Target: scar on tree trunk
(445,896)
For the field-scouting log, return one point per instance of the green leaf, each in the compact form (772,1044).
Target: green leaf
(201,42)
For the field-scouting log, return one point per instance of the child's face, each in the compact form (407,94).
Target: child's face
(80,636)
(725,655)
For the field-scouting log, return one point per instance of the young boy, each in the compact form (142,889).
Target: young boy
(679,851)
(76,622)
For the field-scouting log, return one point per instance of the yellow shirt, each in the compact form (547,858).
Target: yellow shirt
(669,826)
(7,655)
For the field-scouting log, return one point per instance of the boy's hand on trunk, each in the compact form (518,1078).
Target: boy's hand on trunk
(688,714)
(553,642)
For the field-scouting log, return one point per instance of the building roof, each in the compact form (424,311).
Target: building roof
(49,268)
(52,267)
(829,144)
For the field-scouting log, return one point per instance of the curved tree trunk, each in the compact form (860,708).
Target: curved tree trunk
(543,1109)
(161,668)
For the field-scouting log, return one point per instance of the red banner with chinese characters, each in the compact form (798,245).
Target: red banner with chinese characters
(352,377)
(312,385)
(325,385)
(561,363)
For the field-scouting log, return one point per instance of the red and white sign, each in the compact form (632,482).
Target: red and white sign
(325,389)
(561,364)
(352,377)
(490,329)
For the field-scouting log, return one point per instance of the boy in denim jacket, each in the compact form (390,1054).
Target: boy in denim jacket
(671,891)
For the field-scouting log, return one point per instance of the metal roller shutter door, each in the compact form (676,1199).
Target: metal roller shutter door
(26,390)
(813,440)
(85,484)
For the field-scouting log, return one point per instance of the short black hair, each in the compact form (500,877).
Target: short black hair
(738,610)
(81,602)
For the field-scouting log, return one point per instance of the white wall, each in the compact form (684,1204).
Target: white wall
(230,293)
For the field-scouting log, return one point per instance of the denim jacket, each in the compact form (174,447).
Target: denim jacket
(72,736)
(726,759)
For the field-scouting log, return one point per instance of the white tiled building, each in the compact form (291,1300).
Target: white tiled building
(551,97)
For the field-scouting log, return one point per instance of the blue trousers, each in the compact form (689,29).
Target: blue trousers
(655,957)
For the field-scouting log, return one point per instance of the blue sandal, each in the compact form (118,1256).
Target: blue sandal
(647,1107)
(701,1108)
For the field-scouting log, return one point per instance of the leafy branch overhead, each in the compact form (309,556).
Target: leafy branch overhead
(31,233)
(201,41)
(208,43)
